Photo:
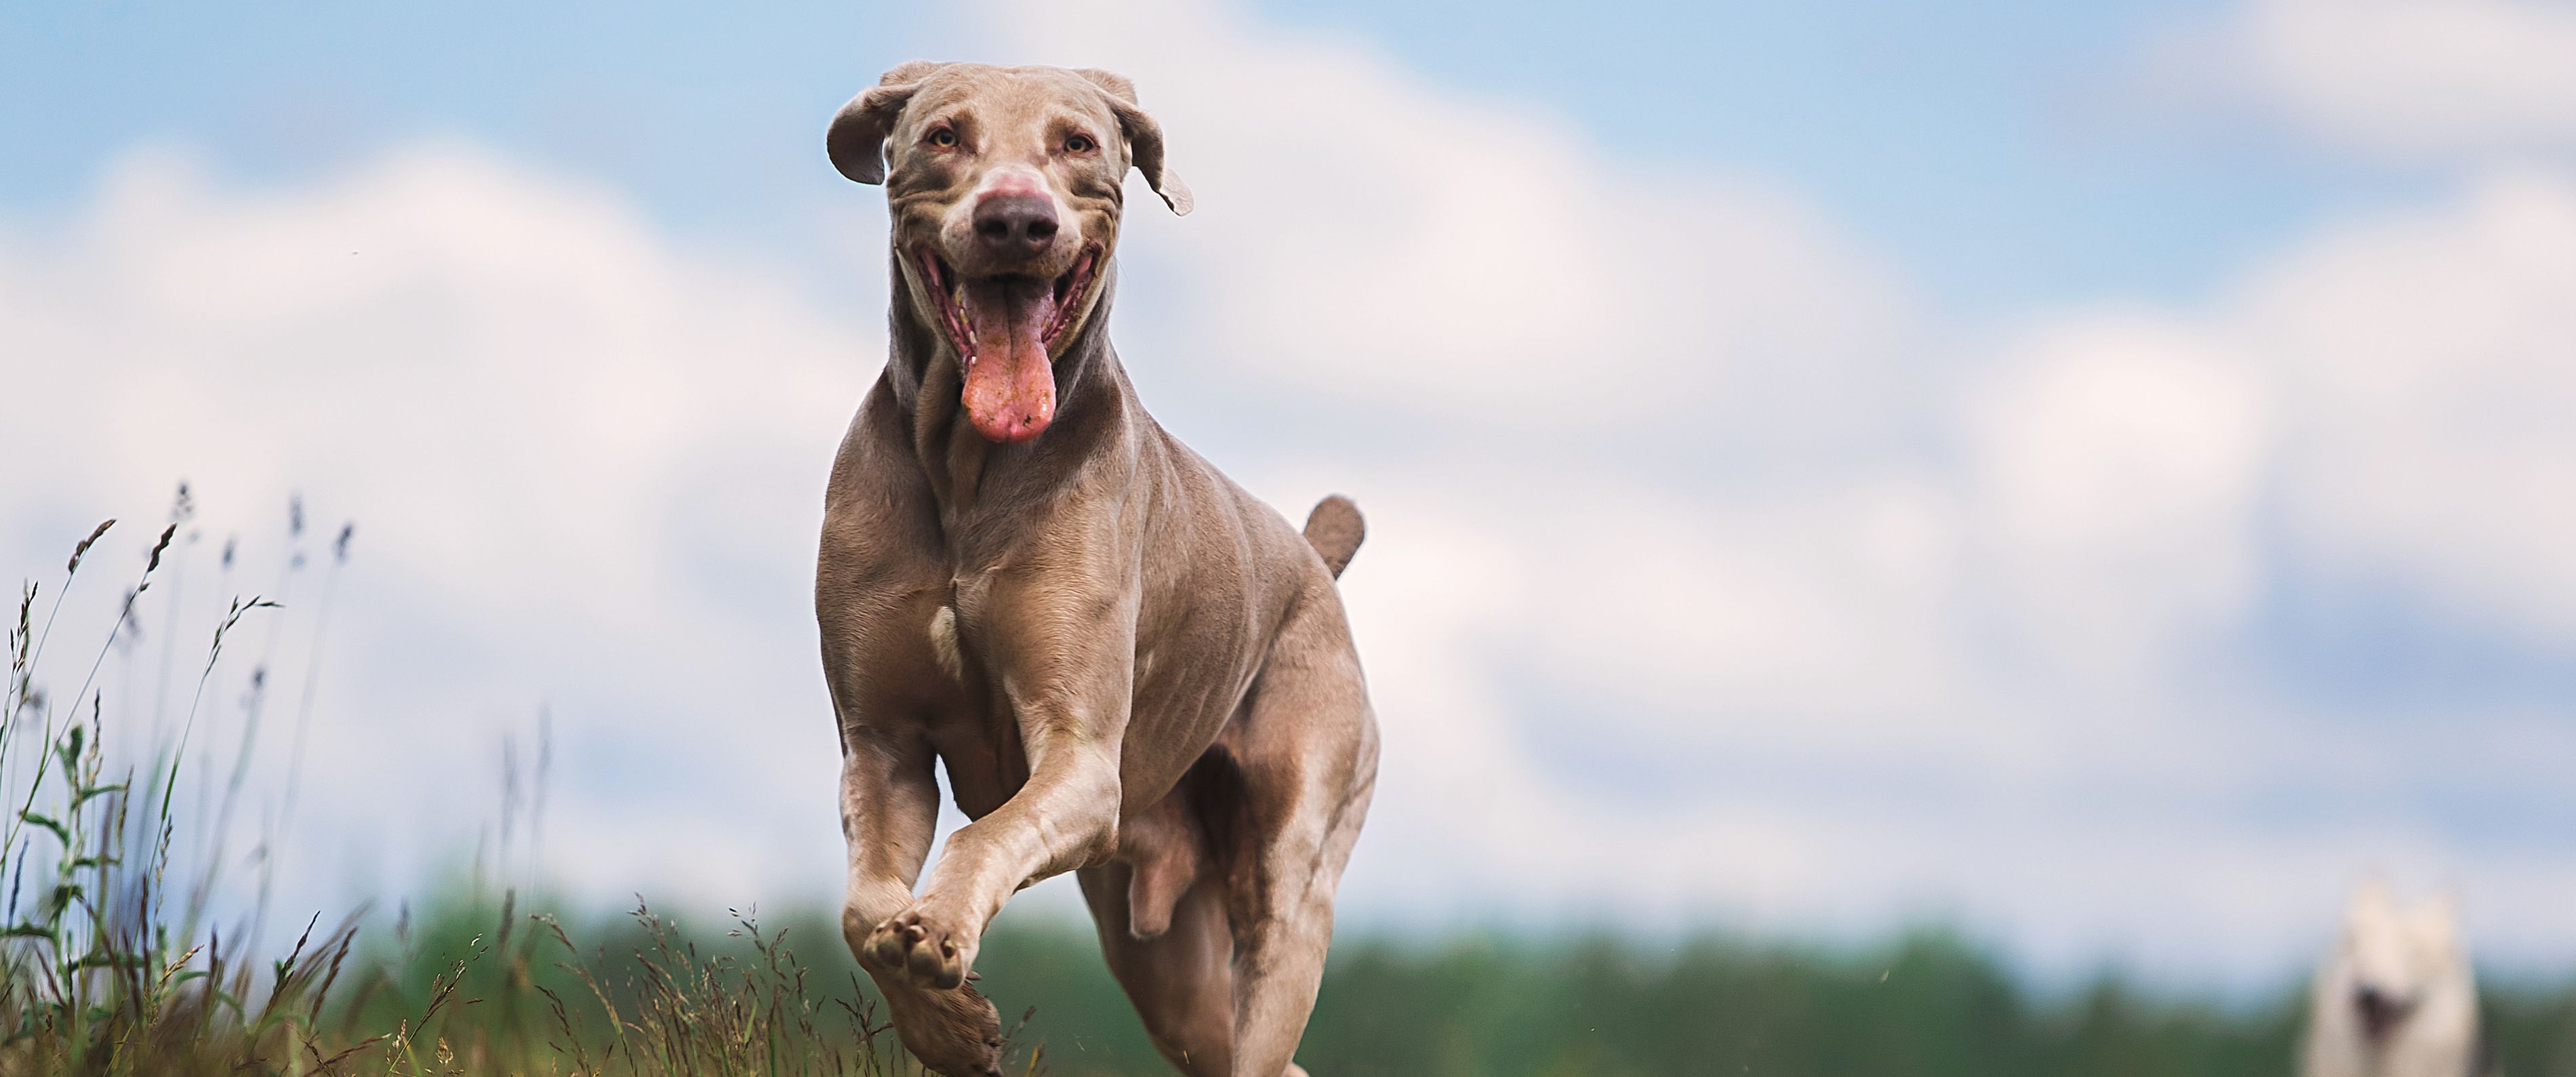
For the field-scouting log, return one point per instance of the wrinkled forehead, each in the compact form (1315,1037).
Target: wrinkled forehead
(1010,98)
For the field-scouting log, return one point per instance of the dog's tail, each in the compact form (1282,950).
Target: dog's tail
(1335,529)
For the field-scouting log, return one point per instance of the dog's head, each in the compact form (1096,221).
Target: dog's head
(2396,964)
(1005,188)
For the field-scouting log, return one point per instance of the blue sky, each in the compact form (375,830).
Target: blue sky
(1987,144)
(2083,471)
(1990,147)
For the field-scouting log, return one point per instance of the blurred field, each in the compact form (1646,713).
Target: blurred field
(1923,1005)
(132,944)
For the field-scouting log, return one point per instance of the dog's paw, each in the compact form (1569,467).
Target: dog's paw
(953,1033)
(923,947)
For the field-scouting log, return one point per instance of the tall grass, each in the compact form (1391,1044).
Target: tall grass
(123,949)
(99,972)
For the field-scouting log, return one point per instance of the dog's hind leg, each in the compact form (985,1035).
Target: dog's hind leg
(1307,750)
(1180,980)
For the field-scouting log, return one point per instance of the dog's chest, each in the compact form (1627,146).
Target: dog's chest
(946,657)
(965,644)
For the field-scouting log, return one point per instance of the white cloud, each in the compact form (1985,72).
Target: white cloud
(2433,356)
(1828,607)
(2405,79)
(2029,680)
(2390,398)
(585,466)
(1369,235)
(2117,461)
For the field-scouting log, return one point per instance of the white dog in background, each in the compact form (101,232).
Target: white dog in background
(2397,998)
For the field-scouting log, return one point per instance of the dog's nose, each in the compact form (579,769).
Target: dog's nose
(1015,225)
(2380,1010)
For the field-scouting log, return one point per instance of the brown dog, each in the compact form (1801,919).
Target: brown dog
(1131,668)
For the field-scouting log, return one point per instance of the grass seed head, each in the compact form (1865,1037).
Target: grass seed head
(83,548)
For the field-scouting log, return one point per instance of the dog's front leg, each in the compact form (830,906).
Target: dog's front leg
(1065,817)
(1067,680)
(889,816)
(889,813)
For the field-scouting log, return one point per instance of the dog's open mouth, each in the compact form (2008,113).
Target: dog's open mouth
(2381,1013)
(1004,329)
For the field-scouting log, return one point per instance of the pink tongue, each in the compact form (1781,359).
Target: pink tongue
(1010,386)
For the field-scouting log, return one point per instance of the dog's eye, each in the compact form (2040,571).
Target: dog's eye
(942,137)
(1080,144)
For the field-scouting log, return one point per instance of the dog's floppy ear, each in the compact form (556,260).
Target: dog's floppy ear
(856,140)
(1119,86)
(1144,138)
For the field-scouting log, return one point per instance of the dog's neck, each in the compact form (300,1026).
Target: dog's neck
(927,377)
